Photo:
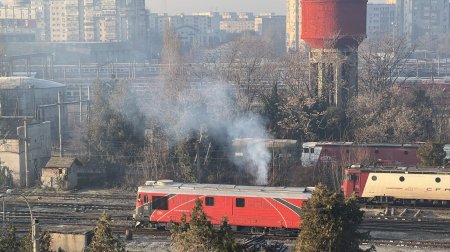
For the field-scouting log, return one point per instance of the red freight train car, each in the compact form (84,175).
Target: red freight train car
(165,201)
(348,153)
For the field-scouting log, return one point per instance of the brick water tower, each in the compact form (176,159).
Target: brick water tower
(334,29)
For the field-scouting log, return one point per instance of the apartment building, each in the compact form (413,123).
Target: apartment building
(272,27)
(293,25)
(380,21)
(237,22)
(86,20)
(199,29)
(419,20)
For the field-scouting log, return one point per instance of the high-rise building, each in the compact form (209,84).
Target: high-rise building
(273,27)
(90,20)
(237,22)
(66,20)
(42,9)
(422,19)
(293,25)
(132,20)
(380,20)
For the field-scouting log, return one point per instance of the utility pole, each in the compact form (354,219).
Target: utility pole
(60,124)
(25,140)
(35,235)
(81,106)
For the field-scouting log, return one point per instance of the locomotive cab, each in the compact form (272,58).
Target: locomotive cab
(351,183)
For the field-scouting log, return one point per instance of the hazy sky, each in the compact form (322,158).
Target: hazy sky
(189,6)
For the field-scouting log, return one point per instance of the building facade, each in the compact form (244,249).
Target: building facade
(12,153)
(17,23)
(380,21)
(273,28)
(198,29)
(79,20)
(233,22)
(419,20)
(293,25)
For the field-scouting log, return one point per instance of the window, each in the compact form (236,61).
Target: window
(406,152)
(209,201)
(402,179)
(305,150)
(240,202)
(311,150)
(145,198)
(160,203)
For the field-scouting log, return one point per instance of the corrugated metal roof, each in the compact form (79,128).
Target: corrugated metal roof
(61,162)
(27,82)
(168,187)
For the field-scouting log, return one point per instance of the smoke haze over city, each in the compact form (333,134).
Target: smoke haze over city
(257,6)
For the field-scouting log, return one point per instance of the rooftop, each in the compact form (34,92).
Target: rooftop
(170,187)
(27,82)
(404,169)
(62,162)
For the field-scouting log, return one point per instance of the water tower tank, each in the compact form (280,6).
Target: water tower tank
(333,23)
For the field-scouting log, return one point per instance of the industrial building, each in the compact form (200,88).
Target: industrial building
(26,153)
(25,97)
(28,125)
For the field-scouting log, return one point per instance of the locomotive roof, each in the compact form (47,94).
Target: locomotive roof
(405,169)
(349,144)
(170,187)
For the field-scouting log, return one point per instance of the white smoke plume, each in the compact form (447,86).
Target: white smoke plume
(215,107)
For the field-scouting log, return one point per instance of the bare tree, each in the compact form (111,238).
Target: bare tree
(296,74)
(246,67)
(381,64)
(384,117)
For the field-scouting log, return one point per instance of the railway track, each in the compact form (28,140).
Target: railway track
(75,195)
(83,209)
(74,206)
(412,243)
(389,225)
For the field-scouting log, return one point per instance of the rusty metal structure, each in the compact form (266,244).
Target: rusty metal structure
(333,29)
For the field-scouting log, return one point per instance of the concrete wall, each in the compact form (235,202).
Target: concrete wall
(39,150)
(12,152)
(69,242)
(9,156)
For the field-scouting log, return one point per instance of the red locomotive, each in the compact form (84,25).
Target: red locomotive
(402,185)
(347,153)
(165,201)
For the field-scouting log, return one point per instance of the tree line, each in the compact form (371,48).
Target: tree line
(148,139)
